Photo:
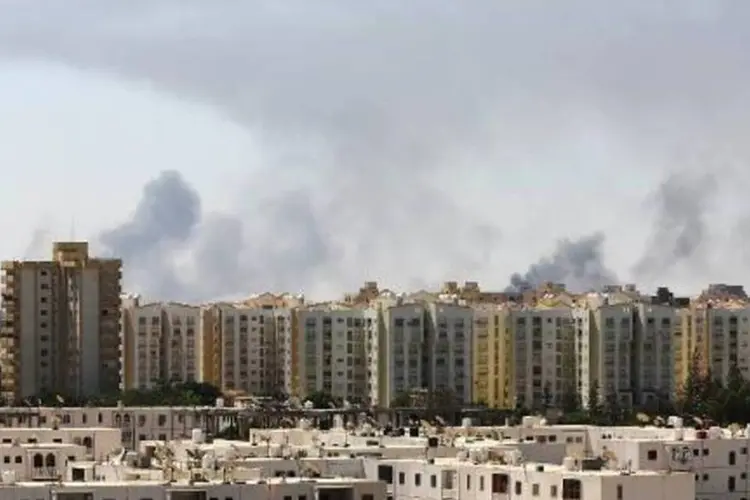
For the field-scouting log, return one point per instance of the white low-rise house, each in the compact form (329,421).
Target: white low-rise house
(272,489)
(92,442)
(481,479)
(136,423)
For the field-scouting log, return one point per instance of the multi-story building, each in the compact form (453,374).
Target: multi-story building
(713,334)
(655,329)
(493,356)
(425,343)
(333,343)
(604,349)
(61,321)
(161,343)
(248,346)
(543,353)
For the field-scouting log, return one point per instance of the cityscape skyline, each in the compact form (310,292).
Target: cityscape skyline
(68,328)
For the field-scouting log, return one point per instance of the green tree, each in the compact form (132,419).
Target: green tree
(321,399)
(402,400)
(594,404)
(570,400)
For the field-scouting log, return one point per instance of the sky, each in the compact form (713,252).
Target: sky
(226,148)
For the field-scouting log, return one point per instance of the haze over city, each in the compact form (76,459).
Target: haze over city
(227,147)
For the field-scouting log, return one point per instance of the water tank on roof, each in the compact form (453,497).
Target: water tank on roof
(528,421)
(675,422)
(679,434)
(338,422)
(197,436)
(714,433)
(9,477)
(569,463)
(466,422)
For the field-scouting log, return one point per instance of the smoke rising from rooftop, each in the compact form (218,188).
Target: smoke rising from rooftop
(381,102)
(579,264)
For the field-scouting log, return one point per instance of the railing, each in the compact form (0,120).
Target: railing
(44,472)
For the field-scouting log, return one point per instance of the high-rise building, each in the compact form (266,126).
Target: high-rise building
(333,346)
(543,355)
(161,343)
(493,356)
(655,330)
(604,349)
(61,321)
(248,347)
(425,343)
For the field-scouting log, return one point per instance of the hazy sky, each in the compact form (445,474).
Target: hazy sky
(333,142)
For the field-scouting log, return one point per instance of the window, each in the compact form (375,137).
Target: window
(500,483)
(553,491)
(401,478)
(468,481)
(6,460)
(731,483)
(571,489)
(287,497)
(481,483)
(433,481)
(19,459)
(368,496)
(385,474)
(519,488)
(535,490)
(619,492)
(732,458)
(417,479)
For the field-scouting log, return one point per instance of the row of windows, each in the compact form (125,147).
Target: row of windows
(571,488)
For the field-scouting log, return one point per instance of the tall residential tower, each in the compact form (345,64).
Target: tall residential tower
(60,328)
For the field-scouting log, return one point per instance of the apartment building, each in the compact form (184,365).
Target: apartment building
(248,348)
(655,330)
(604,349)
(713,334)
(543,354)
(161,343)
(61,322)
(333,350)
(425,343)
(493,356)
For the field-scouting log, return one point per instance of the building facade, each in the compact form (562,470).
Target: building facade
(161,343)
(61,322)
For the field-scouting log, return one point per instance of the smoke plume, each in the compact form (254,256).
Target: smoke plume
(578,264)
(384,104)
(681,203)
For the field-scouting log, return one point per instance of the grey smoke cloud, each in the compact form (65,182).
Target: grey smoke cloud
(578,264)
(681,203)
(164,219)
(394,94)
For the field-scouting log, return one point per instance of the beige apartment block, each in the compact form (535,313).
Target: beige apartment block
(161,343)
(61,321)
(333,347)
(248,347)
